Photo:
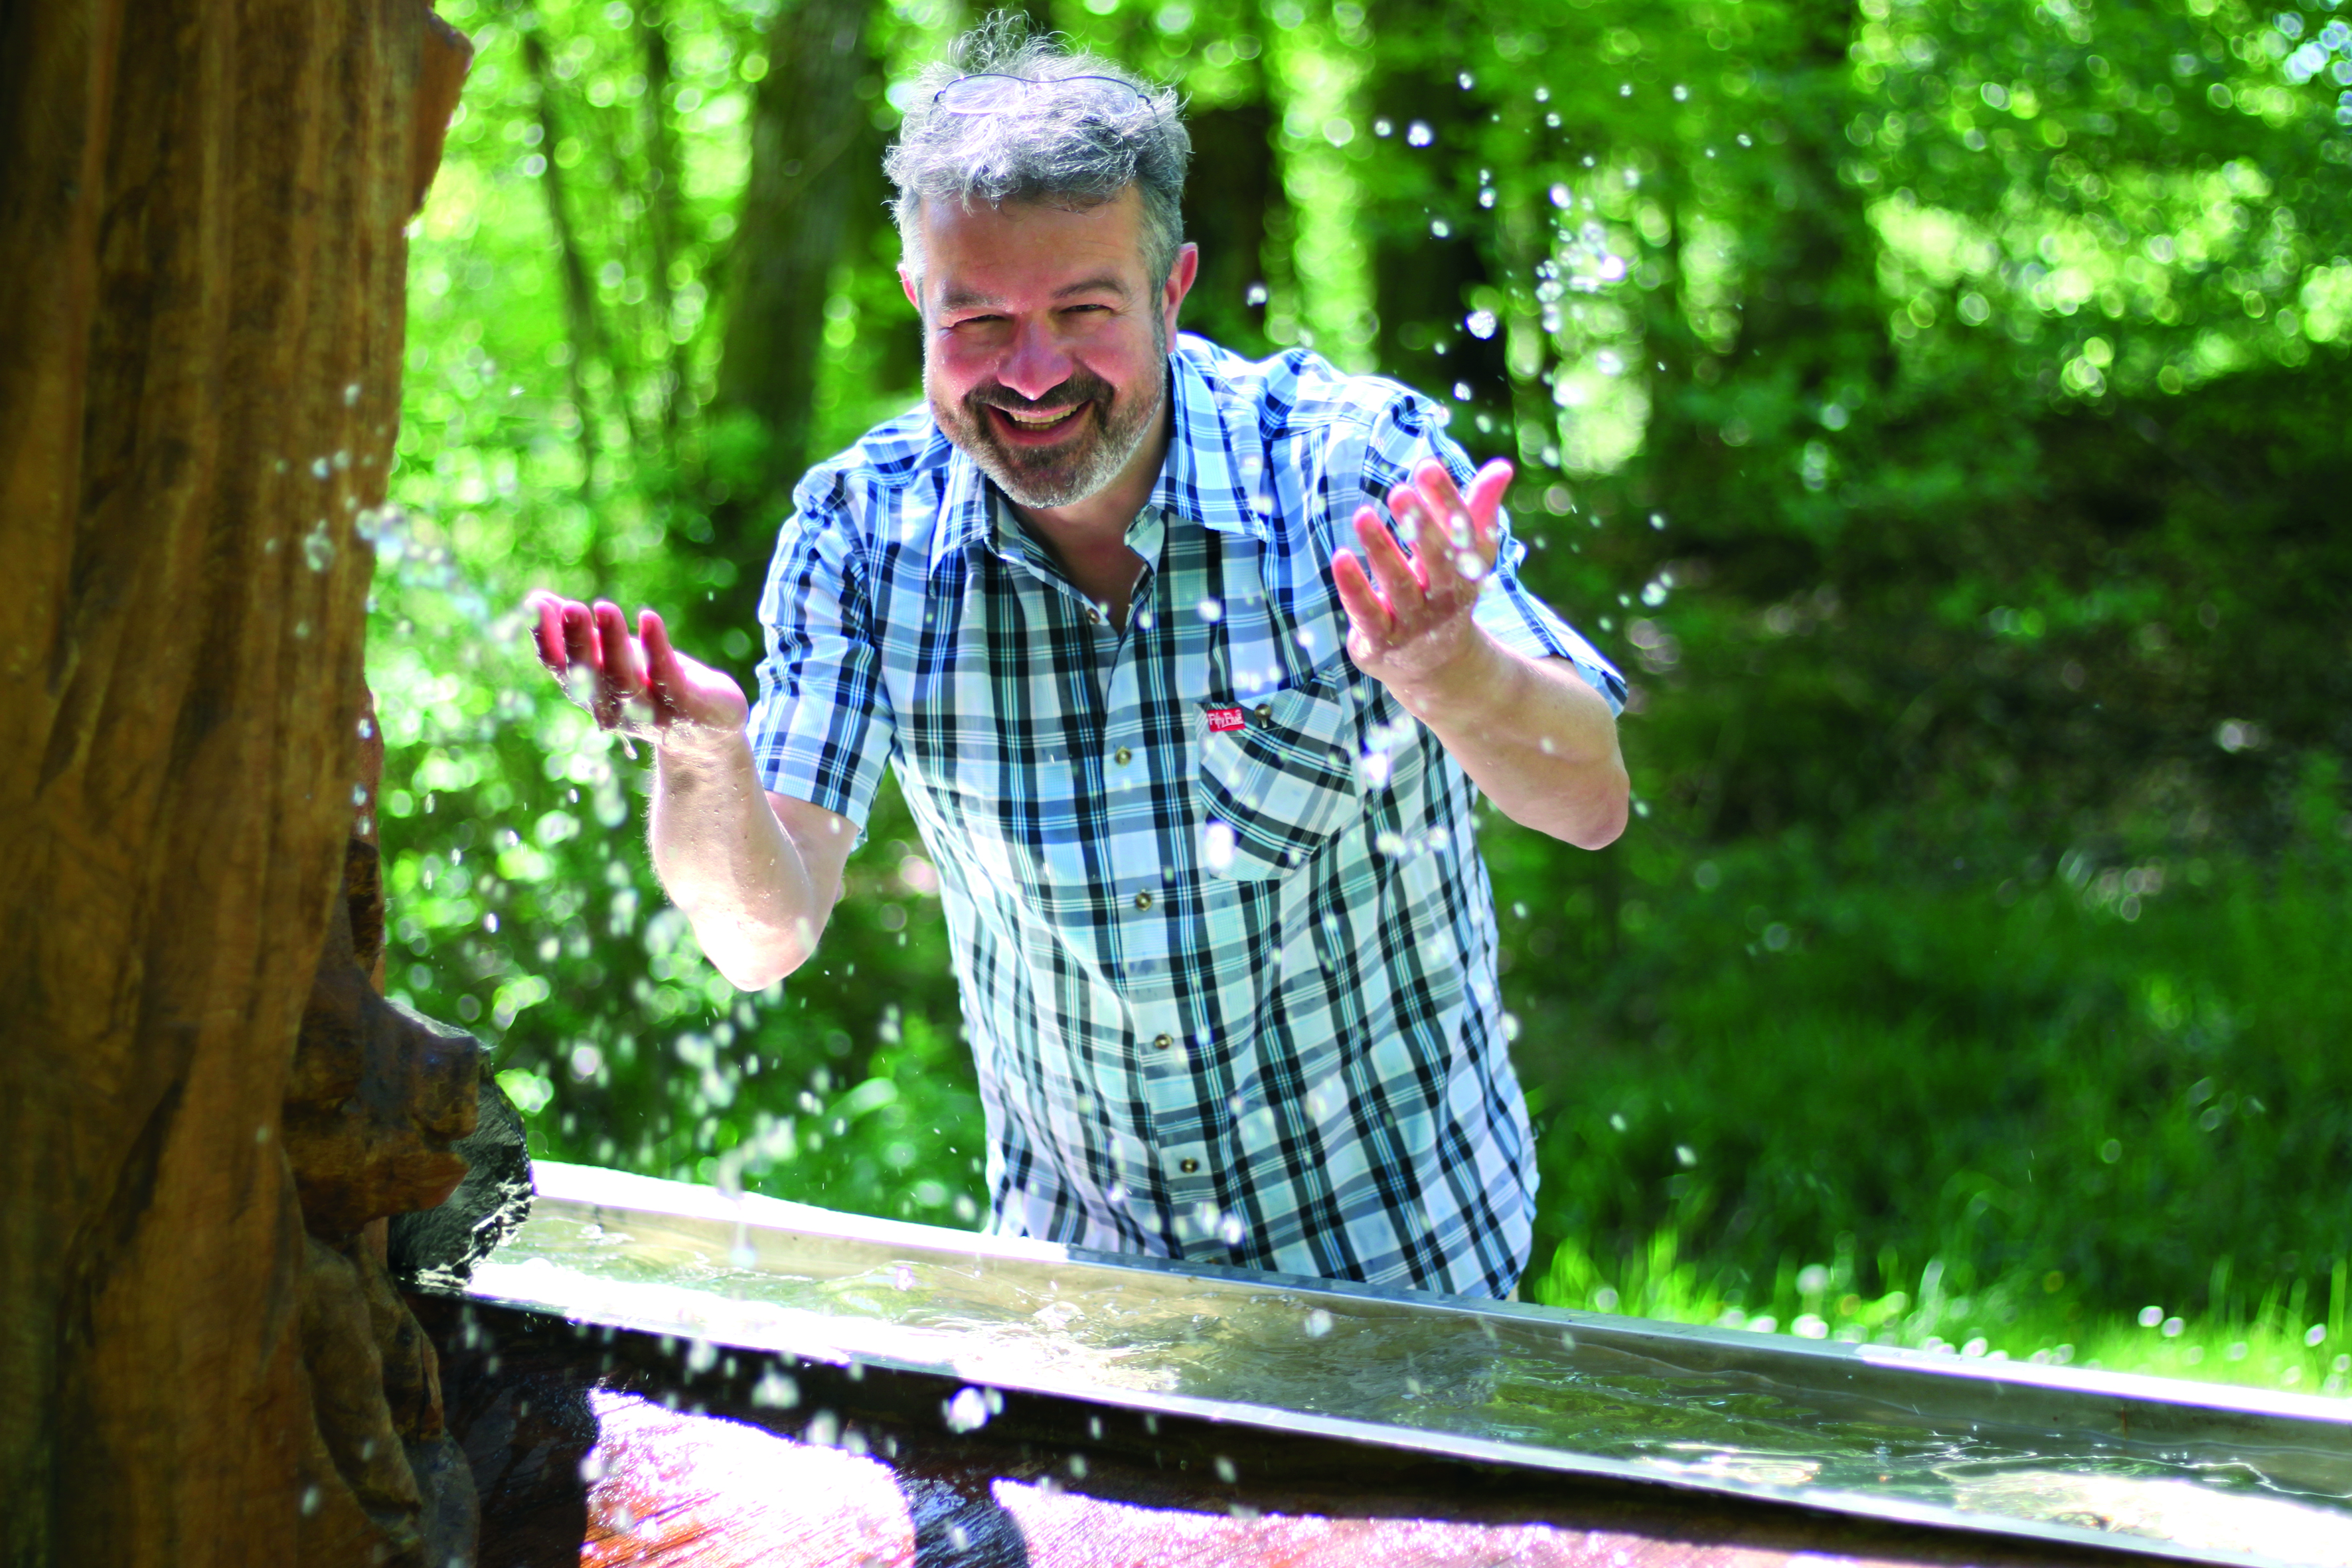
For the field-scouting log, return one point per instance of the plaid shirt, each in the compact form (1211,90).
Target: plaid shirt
(1225,943)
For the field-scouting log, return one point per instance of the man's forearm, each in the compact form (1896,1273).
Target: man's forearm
(1531,734)
(729,864)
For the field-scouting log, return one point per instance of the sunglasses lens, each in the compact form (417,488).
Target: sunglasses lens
(980,94)
(992,93)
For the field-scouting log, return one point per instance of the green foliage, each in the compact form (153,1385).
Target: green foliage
(1937,406)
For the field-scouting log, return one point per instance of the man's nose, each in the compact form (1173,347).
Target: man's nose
(1036,363)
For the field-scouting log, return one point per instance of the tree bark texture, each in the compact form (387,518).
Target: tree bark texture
(201,228)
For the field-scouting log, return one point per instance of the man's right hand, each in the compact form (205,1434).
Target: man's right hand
(639,685)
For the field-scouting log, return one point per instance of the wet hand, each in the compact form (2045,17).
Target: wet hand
(639,685)
(1409,598)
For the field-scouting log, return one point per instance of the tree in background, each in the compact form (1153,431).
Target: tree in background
(815,190)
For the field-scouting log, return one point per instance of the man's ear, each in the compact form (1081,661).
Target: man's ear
(914,290)
(1180,281)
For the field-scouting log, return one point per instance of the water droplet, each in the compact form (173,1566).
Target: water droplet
(1481,323)
(1318,1324)
(318,468)
(342,460)
(967,1411)
(1217,847)
(318,548)
(1225,1471)
(1441,229)
(1418,135)
(1211,610)
(351,394)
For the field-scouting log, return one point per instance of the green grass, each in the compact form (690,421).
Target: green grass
(2007,1108)
(2273,1348)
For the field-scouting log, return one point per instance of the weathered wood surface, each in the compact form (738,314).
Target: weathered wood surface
(606,1448)
(201,208)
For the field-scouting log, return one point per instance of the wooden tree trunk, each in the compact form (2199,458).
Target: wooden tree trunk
(201,229)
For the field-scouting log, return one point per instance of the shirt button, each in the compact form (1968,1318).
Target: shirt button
(1189,1166)
(1143,901)
(1161,1042)
(1094,617)
(1123,756)
(1265,712)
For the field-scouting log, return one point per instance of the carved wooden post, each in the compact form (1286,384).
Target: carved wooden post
(202,268)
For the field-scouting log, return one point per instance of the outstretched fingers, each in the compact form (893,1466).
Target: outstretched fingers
(1484,503)
(546,612)
(1404,583)
(1432,524)
(1369,611)
(1472,534)
(665,676)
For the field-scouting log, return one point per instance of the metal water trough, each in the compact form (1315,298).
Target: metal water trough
(846,1330)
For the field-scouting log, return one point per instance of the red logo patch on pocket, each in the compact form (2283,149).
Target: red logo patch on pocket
(1222,719)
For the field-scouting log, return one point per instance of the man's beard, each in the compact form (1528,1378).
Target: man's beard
(1102,438)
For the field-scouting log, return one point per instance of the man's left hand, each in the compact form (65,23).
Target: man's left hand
(1409,624)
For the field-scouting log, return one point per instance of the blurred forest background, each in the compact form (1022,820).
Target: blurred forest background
(1937,407)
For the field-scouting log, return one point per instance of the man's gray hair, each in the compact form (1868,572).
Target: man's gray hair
(1074,147)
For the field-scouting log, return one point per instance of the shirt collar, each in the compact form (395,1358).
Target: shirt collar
(1215,467)
(1216,461)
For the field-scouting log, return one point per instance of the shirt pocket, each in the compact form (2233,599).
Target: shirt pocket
(1276,779)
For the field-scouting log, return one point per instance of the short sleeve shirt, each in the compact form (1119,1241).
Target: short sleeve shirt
(1226,948)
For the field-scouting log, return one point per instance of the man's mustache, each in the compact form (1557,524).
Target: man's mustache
(1077,389)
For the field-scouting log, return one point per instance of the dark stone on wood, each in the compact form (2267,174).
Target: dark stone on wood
(378,1094)
(436,1248)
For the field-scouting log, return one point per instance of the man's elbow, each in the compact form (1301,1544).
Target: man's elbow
(753,960)
(1604,811)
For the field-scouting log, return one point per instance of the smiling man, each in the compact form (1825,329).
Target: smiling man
(1190,669)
